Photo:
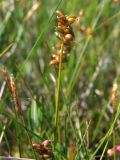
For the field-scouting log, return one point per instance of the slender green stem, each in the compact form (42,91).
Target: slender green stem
(29,138)
(114,144)
(21,115)
(104,150)
(108,134)
(57,126)
(17,131)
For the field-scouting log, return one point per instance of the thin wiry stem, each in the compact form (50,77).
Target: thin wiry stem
(58,91)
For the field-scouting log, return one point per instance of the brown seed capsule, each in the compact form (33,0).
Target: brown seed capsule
(58,46)
(55,59)
(60,24)
(67,48)
(53,62)
(68,37)
(59,13)
(61,17)
(47,143)
(60,29)
(58,35)
(43,150)
(71,19)
(54,56)
(67,30)
(63,20)
(64,29)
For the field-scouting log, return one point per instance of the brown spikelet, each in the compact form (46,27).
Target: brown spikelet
(14,93)
(5,73)
(43,149)
(6,76)
(78,21)
(12,88)
(65,35)
(87,31)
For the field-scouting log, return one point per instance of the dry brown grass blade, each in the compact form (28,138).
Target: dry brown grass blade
(34,8)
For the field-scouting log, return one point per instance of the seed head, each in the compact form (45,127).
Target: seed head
(65,35)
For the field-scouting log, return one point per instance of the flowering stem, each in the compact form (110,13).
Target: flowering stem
(57,120)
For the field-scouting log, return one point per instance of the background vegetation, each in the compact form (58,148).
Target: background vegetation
(89,119)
